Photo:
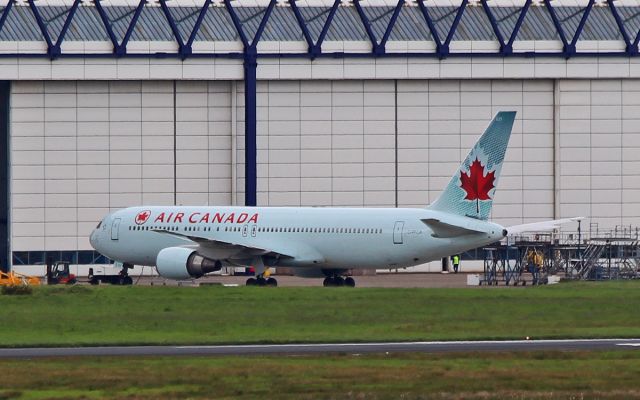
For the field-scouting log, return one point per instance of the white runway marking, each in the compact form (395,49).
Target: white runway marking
(436,343)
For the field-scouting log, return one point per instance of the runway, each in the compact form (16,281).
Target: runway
(328,348)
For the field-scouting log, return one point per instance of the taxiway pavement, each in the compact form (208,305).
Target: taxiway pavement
(327,348)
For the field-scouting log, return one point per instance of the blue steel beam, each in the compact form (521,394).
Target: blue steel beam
(583,21)
(263,24)
(514,34)
(119,49)
(630,48)
(494,25)
(5,13)
(455,24)
(57,46)
(122,48)
(325,28)
(197,25)
(174,29)
(42,26)
(392,23)
(250,65)
(303,25)
(567,49)
(53,49)
(107,25)
(367,27)
(336,55)
(237,24)
(440,50)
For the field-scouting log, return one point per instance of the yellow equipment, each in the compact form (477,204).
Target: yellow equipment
(14,278)
(536,258)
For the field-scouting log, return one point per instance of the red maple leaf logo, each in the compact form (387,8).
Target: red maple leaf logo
(476,184)
(142,217)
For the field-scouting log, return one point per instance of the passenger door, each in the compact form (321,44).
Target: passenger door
(397,232)
(115,228)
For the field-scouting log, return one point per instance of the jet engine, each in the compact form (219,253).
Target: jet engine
(183,263)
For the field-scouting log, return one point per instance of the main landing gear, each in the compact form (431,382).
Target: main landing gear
(262,281)
(263,273)
(338,280)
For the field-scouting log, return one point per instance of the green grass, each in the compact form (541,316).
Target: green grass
(83,315)
(547,375)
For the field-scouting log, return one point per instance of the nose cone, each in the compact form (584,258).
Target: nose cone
(93,239)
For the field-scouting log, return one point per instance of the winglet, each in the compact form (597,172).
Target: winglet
(471,189)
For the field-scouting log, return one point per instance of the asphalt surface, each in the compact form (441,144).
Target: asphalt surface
(350,348)
(381,280)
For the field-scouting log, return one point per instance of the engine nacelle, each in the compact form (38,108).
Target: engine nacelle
(183,263)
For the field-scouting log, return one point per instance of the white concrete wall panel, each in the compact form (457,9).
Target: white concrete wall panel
(598,130)
(83,148)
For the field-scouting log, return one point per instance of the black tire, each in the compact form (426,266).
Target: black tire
(127,280)
(94,281)
(261,282)
(272,282)
(338,281)
(349,281)
(252,282)
(327,282)
(72,281)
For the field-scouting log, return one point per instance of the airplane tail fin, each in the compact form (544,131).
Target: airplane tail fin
(471,189)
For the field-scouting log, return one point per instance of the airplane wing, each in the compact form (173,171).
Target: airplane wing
(208,244)
(444,230)
(542,226)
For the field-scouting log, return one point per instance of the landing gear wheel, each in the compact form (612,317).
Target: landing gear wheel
(261,281)
(272,282)
(338,281)
(127,280)
(328,281)
(349,281)
(252,282)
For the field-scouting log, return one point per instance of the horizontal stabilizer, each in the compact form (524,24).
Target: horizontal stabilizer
(443,230)
(543,226)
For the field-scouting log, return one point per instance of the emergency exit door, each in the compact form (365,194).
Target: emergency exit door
(115,227)
(397,232)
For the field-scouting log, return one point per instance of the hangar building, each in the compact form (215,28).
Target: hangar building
(107,104)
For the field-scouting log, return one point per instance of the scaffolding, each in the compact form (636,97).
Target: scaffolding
(592,255)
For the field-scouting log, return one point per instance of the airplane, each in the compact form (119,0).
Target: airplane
(185,242)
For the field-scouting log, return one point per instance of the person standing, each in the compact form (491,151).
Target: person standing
(456,262)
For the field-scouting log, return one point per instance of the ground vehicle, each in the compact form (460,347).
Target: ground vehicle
(59,274)
(122,278)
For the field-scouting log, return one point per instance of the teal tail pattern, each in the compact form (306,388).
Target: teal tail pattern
(471,189)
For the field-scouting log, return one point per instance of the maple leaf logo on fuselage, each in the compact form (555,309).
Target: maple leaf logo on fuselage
(142,217)
(476,184)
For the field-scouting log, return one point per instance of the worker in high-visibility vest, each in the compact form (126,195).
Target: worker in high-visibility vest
(456,263)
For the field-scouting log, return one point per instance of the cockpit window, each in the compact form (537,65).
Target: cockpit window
(99,223)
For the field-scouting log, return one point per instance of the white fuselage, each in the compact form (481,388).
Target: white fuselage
(311,237)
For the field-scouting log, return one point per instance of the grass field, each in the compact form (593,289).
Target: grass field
(538,375)
(83,315)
